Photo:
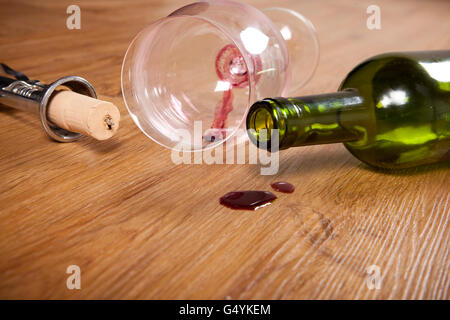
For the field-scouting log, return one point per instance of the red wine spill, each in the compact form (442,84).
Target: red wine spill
(252,200)
(247,200)
(281,186)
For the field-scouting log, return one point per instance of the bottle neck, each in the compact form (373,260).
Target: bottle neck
(308,120)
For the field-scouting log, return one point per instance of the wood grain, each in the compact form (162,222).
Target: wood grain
(142,227)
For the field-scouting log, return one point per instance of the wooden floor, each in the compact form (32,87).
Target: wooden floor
(139,226)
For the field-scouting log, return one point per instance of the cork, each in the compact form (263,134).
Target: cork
(82,114)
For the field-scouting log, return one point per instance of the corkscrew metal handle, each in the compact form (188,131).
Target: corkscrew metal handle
(33,96)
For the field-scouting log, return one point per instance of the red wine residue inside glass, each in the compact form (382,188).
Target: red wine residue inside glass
(231,69)
(281,186)
(247,200)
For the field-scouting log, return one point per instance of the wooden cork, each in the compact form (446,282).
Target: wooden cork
(82,114)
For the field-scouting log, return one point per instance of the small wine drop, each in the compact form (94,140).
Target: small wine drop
(282,186)
(247,200)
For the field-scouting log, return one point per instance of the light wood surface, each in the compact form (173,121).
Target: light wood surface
(140,226)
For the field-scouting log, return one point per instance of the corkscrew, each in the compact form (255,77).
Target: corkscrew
(72,112)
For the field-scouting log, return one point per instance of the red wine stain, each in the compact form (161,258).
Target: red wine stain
(230,68)
(218,126)
(281,186)
(247,200)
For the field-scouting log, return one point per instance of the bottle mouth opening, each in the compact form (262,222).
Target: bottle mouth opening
(265,123)
(259,121)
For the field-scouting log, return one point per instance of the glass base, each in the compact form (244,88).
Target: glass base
(303,46)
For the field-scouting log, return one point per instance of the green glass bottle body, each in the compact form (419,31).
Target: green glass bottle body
(391,111)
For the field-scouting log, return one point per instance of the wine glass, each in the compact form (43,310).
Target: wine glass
(188,79)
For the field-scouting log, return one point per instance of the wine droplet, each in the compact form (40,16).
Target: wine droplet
(282,186)
(247,200)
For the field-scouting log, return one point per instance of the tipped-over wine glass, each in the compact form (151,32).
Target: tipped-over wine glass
(188,79)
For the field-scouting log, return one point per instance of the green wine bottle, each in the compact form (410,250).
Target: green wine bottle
(391,111)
